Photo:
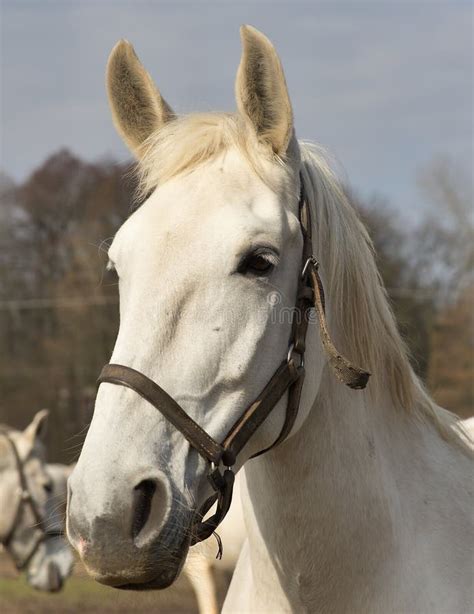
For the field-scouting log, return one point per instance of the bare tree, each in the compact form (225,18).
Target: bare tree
(444,243)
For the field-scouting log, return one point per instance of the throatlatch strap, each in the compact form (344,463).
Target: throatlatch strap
(345,371)
(255,414)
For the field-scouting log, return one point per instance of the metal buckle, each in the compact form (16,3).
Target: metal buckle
(215,466)
(216,478)
(311,261)
(290,356)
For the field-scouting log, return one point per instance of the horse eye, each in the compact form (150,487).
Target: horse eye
(258,263)
(48,487)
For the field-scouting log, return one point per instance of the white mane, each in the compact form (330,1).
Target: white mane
(360,311)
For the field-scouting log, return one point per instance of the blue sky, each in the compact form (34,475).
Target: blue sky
(386,86)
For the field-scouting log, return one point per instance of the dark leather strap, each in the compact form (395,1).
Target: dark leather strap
(311,293)
(161,400)
(224,488)
(240,432)
(294,394)
(257,412)
(345,371)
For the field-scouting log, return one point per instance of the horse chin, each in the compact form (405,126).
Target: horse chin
(164,580)
(157,571)
(50,566)
(48,580)
(143,582)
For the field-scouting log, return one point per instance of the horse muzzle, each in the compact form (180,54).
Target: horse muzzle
(135,542)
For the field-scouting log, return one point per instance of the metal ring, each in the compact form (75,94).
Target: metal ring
(311,260)
(291,352)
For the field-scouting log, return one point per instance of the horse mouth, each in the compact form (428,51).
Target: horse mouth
(55,579)
(158,583)
(158,571)
(147,581)
(160,574)
(51,581)
(166,578)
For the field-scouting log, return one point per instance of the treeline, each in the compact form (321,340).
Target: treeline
(58,318)
(59,314)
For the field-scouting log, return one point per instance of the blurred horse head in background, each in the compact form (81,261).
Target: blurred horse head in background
(31,523)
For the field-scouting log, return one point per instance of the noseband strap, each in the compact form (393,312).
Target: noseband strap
(156,396)
(289,377)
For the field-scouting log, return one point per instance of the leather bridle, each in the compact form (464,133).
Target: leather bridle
(289,377)
(25,499)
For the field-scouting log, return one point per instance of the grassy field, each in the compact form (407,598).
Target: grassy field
(81,594)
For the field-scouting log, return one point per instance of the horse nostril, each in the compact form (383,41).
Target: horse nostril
(142,498)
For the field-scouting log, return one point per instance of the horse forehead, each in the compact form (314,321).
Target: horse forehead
(179,222)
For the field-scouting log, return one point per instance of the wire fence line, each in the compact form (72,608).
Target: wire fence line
(100,301)
(54,369)
(59,303)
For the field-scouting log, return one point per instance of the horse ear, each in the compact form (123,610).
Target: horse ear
(261,92)
(37,427)
(138,109)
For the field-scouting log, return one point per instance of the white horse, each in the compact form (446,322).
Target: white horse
(30,528)
(367,505)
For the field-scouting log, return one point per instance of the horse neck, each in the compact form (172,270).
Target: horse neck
(338,493)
